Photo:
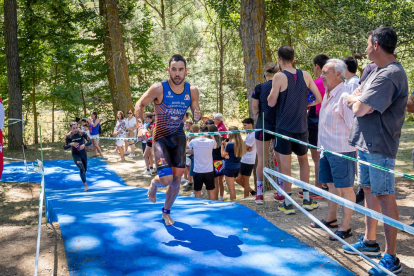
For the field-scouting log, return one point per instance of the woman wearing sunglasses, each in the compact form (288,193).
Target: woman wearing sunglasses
(131,127)
(77,141)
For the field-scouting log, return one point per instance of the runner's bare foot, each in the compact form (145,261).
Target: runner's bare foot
(152,193)
(167,219)
(86,187)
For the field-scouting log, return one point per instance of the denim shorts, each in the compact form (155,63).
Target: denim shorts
(337,170)
(381,182)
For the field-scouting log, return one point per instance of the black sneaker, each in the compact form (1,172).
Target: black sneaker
(325,188)
(310,204)
(360,197)
(287,209)
(253,192)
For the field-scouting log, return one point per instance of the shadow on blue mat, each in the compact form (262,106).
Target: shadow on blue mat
(114,230)
(189,237)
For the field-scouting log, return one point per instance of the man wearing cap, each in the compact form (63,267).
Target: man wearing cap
(218,121)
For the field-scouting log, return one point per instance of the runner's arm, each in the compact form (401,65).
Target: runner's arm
(153,93)
(255,106)
(195,107)
(276,86)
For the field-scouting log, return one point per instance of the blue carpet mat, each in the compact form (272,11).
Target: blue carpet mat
(114,230)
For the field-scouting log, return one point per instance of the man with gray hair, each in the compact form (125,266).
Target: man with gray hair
(218,121)
(335,122)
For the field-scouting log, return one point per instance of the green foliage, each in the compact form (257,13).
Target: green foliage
(61,46)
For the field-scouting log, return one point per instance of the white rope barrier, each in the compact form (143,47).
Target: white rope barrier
(318,222)
(344,202)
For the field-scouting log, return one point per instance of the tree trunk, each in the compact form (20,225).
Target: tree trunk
(53,104)
(221,49)
(15,135)
(83,100)
(253,36)
(53,118)
(33,94)
(118,76)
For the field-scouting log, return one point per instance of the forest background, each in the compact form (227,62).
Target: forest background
(75,56)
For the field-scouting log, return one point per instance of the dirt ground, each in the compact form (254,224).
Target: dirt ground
(19,208)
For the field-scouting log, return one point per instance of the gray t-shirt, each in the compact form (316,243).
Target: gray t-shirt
(385,90)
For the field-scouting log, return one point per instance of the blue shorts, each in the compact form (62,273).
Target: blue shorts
(231,172)
(337,170)
(381,182)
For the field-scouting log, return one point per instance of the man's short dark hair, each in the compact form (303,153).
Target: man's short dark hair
(286,53)
(177,58)
(351,63)
(210,122)
(320,60)
(149,116)
(248,121)
(386,38)
(203,128)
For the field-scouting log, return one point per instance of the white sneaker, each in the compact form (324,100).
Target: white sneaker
(192,194)
(115,151)
(146,172)
(126,152)
(184,180)
(132,155)
(153,171)
(186,184)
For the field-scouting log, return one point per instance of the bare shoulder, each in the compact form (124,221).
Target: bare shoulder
(279,76)
(307,76)
(156,88)
(193,89)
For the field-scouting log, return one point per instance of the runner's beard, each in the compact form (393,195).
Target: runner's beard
(180,81)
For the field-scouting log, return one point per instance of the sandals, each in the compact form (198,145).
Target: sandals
(342,234)
(326,223)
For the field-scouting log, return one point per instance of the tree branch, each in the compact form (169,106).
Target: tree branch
(154,8)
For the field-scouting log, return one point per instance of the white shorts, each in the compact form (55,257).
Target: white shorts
(94,137)
(120,143)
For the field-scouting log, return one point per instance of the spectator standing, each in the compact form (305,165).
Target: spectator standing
(248,160)
(120,132)
(379,108)
(131,127)
(218,121)
(313,119)
(335,125)
(290,96)
(218,164)
(351,79)
(202,150)
(232,151)
(148,156)
(260,106)
(94,125)
(352,83)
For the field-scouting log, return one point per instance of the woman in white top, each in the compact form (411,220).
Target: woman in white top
(131,127)
(119,132)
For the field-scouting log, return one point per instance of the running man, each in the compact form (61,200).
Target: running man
(172,98)
(75,139)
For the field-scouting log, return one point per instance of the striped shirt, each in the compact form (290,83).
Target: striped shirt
(335,121)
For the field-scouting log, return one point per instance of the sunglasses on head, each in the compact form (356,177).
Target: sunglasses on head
(129,112)
(73,123)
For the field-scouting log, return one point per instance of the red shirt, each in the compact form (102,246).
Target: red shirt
(222,127)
